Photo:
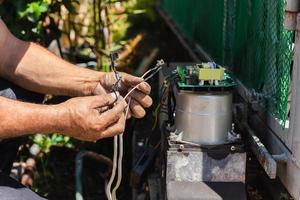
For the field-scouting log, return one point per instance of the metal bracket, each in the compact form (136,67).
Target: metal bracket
(264,157)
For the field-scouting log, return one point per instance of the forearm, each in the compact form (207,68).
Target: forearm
(35,68)
(41,71)
(19,118)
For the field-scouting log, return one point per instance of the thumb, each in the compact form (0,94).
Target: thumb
(99,90)
(104,100)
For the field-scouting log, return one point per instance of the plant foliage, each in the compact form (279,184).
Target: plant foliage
(35,20)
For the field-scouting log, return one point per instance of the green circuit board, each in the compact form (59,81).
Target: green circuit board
(227,82)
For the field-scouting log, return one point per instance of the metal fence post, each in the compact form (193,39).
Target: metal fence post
(295,105)
(291,10)
(291,173)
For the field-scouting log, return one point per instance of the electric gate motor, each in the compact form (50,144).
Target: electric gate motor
(204,104)
(204,117)
(205,158)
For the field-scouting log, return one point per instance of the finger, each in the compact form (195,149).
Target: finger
(102,109)
(103,100)
(143,99)
(144,87)
(99,90)
(130,80)
(108,80)
(115,129)
(129,115)
(128,111)
(112,115)
(137,110)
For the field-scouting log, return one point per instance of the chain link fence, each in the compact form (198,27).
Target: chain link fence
(247,36)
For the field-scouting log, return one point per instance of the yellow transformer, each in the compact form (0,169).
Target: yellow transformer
(210,71)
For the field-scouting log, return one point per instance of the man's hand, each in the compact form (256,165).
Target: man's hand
(92,118)
(85,118)
(62,78)
(140,97)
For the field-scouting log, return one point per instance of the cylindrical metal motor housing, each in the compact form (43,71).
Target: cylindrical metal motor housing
(204,118)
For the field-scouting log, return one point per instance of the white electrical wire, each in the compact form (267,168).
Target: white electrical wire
(135,87)
(112,195)
(119,179)
(121,149)
(113,172)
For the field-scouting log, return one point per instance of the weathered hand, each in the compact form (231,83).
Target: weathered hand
(93,117)
(140,97)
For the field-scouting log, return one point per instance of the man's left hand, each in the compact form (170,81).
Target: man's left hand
(140,97)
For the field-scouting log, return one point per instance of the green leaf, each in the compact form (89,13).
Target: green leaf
(33,11)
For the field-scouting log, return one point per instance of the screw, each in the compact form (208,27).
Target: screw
(140,144)
(232,148)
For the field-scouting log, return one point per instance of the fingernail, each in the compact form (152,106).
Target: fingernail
(115,95)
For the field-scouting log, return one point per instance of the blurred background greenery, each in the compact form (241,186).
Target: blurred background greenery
(79,26)
(82,32)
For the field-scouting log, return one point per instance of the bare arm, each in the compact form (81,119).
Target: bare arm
(78,117)
(36,69)
(18,118)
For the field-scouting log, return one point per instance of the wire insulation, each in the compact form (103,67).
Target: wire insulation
(121,150)
(113,172)
(117,162)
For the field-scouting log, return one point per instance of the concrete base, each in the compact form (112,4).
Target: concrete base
(205,191)
(215,175)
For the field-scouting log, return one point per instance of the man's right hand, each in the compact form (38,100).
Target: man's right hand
(82,117)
